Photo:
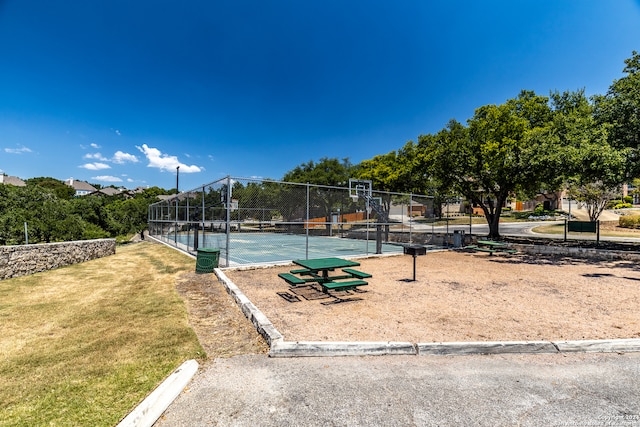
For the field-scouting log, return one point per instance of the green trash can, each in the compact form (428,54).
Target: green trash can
(207,260)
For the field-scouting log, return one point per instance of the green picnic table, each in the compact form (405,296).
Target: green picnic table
(318,270)
(491,246)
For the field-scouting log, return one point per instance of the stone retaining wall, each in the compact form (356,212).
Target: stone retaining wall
(576,252)
(28,259)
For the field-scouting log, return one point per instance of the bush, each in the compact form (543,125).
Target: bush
(629,221)
(623,206)
(628,199)
(611,204)
(539,210)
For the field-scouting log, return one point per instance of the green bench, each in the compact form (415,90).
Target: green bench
(356,273)
(491,251)
(291,279)
(342,286)
(484,250)
(301,271)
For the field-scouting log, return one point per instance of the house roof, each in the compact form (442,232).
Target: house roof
(80,185)
(110,191)
(11,180)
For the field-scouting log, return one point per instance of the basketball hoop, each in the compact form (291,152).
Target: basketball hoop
(359,188)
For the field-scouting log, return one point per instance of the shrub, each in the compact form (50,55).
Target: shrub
(623,206)
(628,199)
(629,221)
(539,210)
(611,204)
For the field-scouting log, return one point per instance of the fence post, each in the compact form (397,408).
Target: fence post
(566,224)
(410,218)
(228,207)
(306,250)
(202,217)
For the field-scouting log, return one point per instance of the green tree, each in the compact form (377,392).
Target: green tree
(489,160)
(620,108)
(571,148)
(51,218)
(593,168)
(328,172)
(127,216)
(395,171)
(433,162)
(57,187)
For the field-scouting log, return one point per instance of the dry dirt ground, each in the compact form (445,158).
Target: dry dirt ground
(222,329)
(458,296)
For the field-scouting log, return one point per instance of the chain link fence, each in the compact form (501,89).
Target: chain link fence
(254,221)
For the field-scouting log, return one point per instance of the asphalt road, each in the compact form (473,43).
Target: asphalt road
(506,228)
(519,229)
(499,390)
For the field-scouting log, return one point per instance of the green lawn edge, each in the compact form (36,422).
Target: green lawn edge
(84,344)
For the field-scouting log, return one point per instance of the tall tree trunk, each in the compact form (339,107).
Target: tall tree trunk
(492,213)
(494,226)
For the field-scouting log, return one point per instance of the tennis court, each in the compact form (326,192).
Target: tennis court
(259,248)
(254,221)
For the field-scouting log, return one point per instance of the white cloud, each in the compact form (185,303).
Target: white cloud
(96,156)
(129,180)
(94,145)
(106,178)
(95,166)
(118,132)
(19,150)
(165,162)
(121,158)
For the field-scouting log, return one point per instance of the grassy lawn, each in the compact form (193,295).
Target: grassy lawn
(608,228)
(84,344)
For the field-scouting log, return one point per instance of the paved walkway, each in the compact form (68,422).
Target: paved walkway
(592,389)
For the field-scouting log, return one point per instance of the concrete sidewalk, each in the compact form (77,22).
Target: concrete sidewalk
(595,389)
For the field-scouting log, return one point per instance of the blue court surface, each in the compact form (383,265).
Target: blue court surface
(258,248)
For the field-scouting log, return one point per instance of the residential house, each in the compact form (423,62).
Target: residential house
(82,188)
(11,180)
(107,191)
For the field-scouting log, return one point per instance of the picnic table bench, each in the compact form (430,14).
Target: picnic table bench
(356,273)
(317,271)
(491,247)
(291,279)
(343,286)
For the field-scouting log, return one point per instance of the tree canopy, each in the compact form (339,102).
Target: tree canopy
(619,108)
(52,215)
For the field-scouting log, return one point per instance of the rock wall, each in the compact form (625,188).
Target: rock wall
(577,252)
(28,259)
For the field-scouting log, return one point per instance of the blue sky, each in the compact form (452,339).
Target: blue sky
(122,92)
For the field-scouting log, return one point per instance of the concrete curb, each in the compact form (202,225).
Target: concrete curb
(262,324)
(490,347)
(599,346)
(151,408)
(329,348)
(281,348)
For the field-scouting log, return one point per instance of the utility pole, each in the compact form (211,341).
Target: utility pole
(177,179)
